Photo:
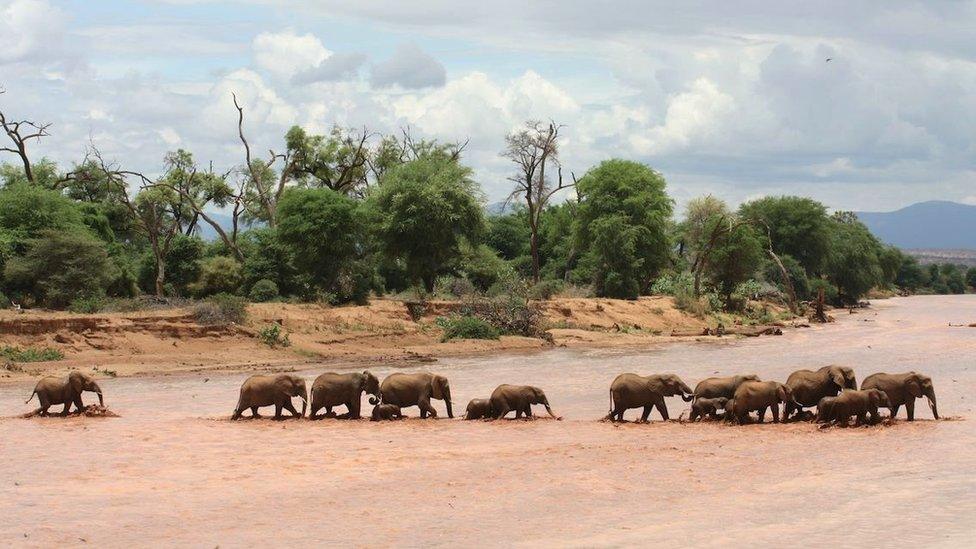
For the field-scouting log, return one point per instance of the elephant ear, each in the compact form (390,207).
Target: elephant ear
(837,376)
(781,392)
(77,382)
(437,386)
(913,386)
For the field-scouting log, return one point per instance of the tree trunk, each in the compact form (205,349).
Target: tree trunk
(160,275)
(534,245)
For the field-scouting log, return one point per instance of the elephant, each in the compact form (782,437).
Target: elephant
(708,407)
(633,391)
(759,395)
(478,408)
(407,390)
(904,389)
(825,410)
(332,389)
(520,398)
(386,412)
(810,386)
(67,391)
(855,403)
(714,387)
(265,390)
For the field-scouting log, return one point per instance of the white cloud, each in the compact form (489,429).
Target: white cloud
(30,29)
(287,53)
(409,67)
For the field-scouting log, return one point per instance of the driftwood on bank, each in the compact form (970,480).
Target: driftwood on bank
(747,331)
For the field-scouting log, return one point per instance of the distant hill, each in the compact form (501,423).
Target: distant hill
(927,225)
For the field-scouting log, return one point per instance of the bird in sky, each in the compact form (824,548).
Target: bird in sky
(829,59)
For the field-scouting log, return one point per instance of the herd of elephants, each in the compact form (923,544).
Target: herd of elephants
(832,389)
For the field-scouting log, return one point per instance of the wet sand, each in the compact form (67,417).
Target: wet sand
(172,470)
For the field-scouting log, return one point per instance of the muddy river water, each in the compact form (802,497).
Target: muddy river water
(174,471)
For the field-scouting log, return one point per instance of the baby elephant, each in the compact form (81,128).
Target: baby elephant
(520,398)
(708,407)
(857,404)
(825,410)
(271,390)
(67,391)
(386,412)
(478,408)
(759,396)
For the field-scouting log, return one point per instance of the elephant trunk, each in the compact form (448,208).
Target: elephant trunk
(933,404)
(98,391)
(688,397)
(450,411)
(549,410)
(304,397)
(375,399)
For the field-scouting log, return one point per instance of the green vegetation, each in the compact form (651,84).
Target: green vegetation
(30,354)
(345,215)
(273,336)
(466,327)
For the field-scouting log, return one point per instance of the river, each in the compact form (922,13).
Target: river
(173,470)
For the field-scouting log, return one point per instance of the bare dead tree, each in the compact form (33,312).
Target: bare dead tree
(533,150)
(267,192)
(20,133)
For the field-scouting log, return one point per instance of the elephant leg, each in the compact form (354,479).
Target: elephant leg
(646,413)
(788,409)
(67,406)
(291,409)
(662,409)
(775,409)
(894,410)
(278,408)
(910,409)
(875,417)
(426,408)
(501,410)
(354,408)
(312,411)
(620,413)
(528,411)
(518,412)
(762,414)
(254,411)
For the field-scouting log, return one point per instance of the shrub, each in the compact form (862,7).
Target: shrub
(221,309)
(509,314)
(59,268)
(546,289)
(263,290)
(466,327)
(273,336)
(218,274)
(30,354)
(686,301)
(830,291)
(672,284)
(87,305)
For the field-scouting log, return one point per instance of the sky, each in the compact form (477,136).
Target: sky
(735,99)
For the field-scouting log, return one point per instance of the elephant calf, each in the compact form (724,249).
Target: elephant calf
(708,407)
(758,396)
(277,390)
(858,404)
(386,412)
(520,398)
(67,391)
(478,408)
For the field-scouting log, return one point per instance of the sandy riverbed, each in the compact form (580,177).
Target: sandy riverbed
(172,470)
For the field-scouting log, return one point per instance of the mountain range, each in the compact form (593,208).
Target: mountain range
(936,224)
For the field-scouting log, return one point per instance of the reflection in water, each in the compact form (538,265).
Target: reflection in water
(172,469)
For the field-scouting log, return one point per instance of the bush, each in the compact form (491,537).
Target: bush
(30,354)
(218,274)
(455,286)
(60,268)
(466,327)
(87,305)
(686,301)
(509,314)
(263,290)
(830,291)
(672,284)
(546,289)
(272,336)
(221,309)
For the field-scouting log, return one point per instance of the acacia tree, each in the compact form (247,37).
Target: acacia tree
(20,132)
(535,149)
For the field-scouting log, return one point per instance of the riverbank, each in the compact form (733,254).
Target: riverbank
(165,342)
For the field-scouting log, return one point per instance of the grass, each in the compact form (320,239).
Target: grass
(466,327)
(30,354)
(273,336)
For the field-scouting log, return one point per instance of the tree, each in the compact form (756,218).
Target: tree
(508,234)
(852,264)
(623,203)
(326,235)
(798,227)
(910,275)
(60,267)
(27,210)
(20,133)
(423,212)
(971,278)
(182,261)
(535,149)
(734,260)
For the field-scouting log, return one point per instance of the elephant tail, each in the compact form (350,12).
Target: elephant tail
(610,413)
(31,396)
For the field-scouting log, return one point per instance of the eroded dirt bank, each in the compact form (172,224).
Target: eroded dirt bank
(170,341)
(173,471)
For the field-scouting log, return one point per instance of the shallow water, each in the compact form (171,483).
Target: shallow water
(172,470)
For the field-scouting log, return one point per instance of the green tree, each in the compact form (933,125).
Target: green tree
(182,260)
(266,257)
(734,259)
(910,275)
(218,275)
(325,233)
(853,264)
(623,205)
(798,276)
(27,210)
(508,234)
(798,227)
(60,267)
(423,212)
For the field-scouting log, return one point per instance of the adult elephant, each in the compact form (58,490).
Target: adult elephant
(332,389)
(715,387)
(633,391)
(405,390)
(266,390)
(904,389)
(759,396)
(520,398)
(810,386)
(67,391)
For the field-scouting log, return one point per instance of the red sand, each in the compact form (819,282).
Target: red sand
(172,470)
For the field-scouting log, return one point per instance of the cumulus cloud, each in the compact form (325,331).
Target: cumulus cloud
(409,67)
(31,30)
(287,53)
(335,68)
